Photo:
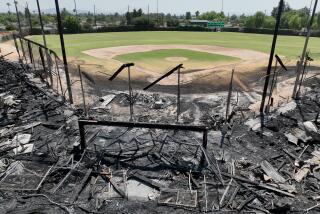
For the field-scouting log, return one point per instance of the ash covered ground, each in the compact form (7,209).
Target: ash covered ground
(245,167)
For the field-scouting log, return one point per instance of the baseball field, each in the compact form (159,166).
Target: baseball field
(204,54)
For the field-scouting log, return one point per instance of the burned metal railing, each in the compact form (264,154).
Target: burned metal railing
(178,69)
(124,66)
(42,61)
(176,127)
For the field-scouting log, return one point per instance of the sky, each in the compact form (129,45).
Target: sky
(166,6)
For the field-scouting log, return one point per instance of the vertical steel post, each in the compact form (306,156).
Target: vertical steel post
(204,145)
(273,47)
(63,50)
(229,95)
(82,90)
(29,18)
(45,41)
(20,31)
(272,87)
(31,55)
(16,45)
(43,64)
(82,136)
(178,96)
(304,51)
(41,24)
(302,75)
(58,73)
(130,94)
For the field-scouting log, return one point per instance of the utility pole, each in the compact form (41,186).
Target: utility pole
(222,6)
(75,8)
(148,14)
(9,10)
(76,12)
(304,52)
(158,12)
(29,17)
(63,50)
(273,47)
(94,15)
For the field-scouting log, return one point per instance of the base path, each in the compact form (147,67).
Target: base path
(249,60)
(112,52)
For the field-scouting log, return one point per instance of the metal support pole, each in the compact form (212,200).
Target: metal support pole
(82,90)
(229,95)
(31,54)
(130,95)
(45,43)
(65,62)
(273,47)
(302,76)
(59,77)
(82,137)
(304,51)
(178,96)
(16,45)
(43,64)
(272,87)
(204,145)
(20,30)
(41,24)
(29,18)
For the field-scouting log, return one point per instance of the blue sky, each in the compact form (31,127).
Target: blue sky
(167,6)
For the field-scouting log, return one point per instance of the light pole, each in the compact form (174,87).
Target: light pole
(76,12)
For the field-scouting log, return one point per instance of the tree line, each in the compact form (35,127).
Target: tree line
(295,19)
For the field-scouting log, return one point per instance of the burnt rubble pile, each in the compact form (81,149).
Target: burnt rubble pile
(247,168)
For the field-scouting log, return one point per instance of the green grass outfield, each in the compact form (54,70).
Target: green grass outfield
(289,46)
(161,55)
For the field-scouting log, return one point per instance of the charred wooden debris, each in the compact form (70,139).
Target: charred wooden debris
(49,165)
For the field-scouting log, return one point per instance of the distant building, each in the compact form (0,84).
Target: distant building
(201,23)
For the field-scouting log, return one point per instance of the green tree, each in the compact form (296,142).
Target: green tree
(197,14)
(269,22)
(259,19)
(318,20)
(143,21)
(128,18)
(72,24)
(233,18)
(295,22)
(250,22)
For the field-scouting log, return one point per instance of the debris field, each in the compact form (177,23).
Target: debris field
(56,159)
